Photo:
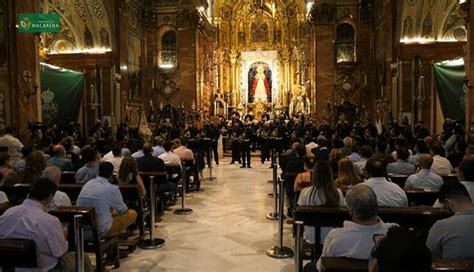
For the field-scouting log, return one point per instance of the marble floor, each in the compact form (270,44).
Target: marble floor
(227,231)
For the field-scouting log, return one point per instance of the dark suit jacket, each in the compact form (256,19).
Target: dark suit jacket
(149,163)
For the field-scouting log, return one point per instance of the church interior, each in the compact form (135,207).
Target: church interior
(294,131)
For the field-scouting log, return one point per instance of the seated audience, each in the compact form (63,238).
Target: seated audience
(420,148)
(425,178)
(19,165)
(180,149)
(355,238)
(303,179)
(452,237)
(9,140)
(149,163)
(58,159)
(30,220)
(116,158)
(322,151)
(4,202)
(346,150)
(400,250)
(347,176)
(441,165)
(91,168)
(169,158)
(128,174)
(158,149)
(456,157)
(294,165)
(400,143)
(401,166)
(60,199)
(381,152)
(366,153)
(112,214)
(355,153)
(322,192)
(34,165)
(388,194)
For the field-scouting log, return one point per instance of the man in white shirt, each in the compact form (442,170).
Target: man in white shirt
(366,153)
(425,178)
(355,238)
(169,158)
(388,194)
(441,165)
(13,144)
(117,157)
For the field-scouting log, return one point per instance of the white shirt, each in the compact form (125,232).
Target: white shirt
(424,179)
(14,146)
(3,198)
(115,161)
(361,164)
(169,158)
(441,166)
(388,193)
(352,240)
(305,200)
(60,199)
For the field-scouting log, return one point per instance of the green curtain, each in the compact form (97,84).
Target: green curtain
(61,94)
(450,83)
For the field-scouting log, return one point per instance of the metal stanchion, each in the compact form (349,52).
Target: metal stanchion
(279,251)
(210,164)
(79,239)
(153,242)
(183,210)
(299,246)
(274,215)
(274,180)
(273,166)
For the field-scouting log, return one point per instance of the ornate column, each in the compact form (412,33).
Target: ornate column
(468,8)
(234,82)
(285,59)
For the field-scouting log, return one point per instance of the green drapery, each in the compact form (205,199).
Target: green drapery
(61,94)
(450,83)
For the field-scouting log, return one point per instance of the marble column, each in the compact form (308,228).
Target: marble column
(234,81)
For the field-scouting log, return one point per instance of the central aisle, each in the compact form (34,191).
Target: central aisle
(228,230)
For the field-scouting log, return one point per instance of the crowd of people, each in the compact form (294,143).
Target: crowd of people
(327,161)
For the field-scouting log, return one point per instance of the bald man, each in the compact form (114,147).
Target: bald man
(425,178)
(58,159)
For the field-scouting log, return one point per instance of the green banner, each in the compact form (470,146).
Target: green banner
(450,83)
(39,22)
(61,94)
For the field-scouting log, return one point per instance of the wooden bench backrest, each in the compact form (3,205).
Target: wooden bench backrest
(68,177)
(413,217)
(17,253)
(16,194)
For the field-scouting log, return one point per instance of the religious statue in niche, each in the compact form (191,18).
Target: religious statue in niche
(300,103)
(260,83)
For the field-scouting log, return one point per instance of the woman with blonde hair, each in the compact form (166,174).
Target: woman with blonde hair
(347,176)
(322,192)
(128,174)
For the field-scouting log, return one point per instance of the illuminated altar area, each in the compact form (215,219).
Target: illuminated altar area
(268,64)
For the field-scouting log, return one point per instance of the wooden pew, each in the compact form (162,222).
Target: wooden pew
(398,179)
(340,264)
(130,194)
(421,197)
(420,218)
(333,264)
(459,265)
(68,177)
(17,253)
(98,245)
(450,178)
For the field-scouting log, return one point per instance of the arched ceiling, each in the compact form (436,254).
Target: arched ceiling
(437,20)
(227,9)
